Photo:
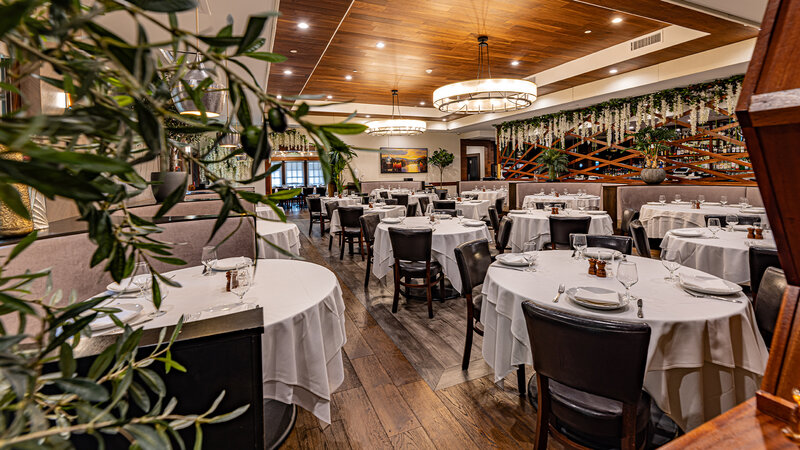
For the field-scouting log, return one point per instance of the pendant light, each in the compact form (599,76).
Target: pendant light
(485,95)
(214,96)
(396,127)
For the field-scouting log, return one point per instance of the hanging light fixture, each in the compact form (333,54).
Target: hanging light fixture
(213,96)
(485,95)
(396,127)
(232,139)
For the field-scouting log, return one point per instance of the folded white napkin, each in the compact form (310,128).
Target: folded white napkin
(517,211)
(741,227)
(232,263)
(472,222)
(712,203)
(512,258)
(600,298)
(703,282)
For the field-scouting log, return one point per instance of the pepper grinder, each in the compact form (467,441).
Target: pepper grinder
(592,266)
(751,233)
(759,233)
(228,284)
(601,268)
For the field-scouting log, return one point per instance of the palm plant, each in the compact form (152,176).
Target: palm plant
(554,162)
(650,141)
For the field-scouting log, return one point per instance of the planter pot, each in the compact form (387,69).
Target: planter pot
(653,176)
(169,182)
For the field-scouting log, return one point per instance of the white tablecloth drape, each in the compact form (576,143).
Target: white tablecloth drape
(284,235)
(265,212)
(377,192)
(447,235)
(344,201)
(705,356)
(535,225)
(658,219)
(304,329)
(491,195)
(571,201)
(472,209)
(394,211)
(725,257)
(414,199)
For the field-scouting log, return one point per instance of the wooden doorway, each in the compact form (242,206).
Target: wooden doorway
(473,168)
(484,151)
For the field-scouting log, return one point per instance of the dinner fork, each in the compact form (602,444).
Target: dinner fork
(713,297)
(561,289)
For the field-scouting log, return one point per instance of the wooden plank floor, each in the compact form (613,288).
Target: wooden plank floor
(403,385)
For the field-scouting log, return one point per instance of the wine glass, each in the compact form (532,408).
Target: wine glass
(209,258)
(244,282)
(531,254)
(627,275)
(460,215)
(732,220)
(677,198)
(141,277)
(662,199)
(581,205)
(669,259)
(743,202)
(714,226)
(566,191)
(701,199)
(723,200)
(579,243)
(403,212)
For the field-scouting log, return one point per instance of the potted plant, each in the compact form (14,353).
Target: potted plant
(650,141)
(554,161)
(441,159)
(339,156)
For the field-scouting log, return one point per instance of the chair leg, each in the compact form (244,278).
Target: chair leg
(543,413)
(341,248)
(366,278)
(442,290)
(396,299)
(521,380)
(361,245)
(330,242)
(429,291)
(468,341)
(310,225)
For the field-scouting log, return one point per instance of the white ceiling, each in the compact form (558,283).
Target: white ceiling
(748,9)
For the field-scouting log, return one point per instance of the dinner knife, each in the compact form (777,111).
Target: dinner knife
(712,297)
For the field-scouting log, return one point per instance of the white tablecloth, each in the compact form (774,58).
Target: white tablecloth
(265,212)
(571,200)
(490,195)
(705,356)
(414,199)
(344,201)
(394,211)
(725,257)
(377,192)
(284,235)
(304,328)
(472,209)
(447,235)
(658,219)
(536,226)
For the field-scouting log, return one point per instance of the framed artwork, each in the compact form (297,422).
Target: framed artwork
(404,160)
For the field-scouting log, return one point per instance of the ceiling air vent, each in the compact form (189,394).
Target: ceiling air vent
(654,38)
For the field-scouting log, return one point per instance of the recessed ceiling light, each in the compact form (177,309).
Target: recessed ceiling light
(380,45)
(616,20)
(428,70)
(354,71)
(348,77)
(588,31)
(302,26)
(444,120)
(329,97)
(292,51)
(421,103)
(514,63)
(287,72)
(367,116)
(279,96)
(613,71)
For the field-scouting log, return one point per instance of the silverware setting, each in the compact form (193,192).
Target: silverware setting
(561,289)
(712,297)
(518,269)
(639,304)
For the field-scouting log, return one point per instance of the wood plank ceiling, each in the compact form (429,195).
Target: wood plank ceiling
(441,36)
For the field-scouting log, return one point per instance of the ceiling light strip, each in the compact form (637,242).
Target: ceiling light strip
(344,16)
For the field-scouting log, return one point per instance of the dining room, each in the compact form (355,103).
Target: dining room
(385,224)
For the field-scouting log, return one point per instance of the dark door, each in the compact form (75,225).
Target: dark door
(473,168)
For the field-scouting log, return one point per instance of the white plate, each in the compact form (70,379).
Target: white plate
(391,220)
(472,223)
(596,213)
(712,204)
(128,312)
(592,305)
(755,210)
(688,232)
(655,203)
(232,263)
(388,206)
(594,252)
(443,216)
(731,288)
(126,286)
(512,259)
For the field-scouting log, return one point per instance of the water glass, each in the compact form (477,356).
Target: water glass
(531,254)
(460,215)
(732,220)
(403,212)
(677,198)
(669,259)
(662,199)
(141,277)
(714,226)
(723,200)
(244,281)
(581,205)
(743,202)
(209,258)
(627,275)
(701,199)
(566,191)
(579,243)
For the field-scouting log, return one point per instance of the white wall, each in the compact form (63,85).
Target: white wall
(367,162)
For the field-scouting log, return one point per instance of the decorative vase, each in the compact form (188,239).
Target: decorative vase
(10,223)
(169,182)
(653,176)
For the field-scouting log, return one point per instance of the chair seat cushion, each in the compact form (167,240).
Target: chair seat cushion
(416,269)
(585,414)
(318,214)
(352,231)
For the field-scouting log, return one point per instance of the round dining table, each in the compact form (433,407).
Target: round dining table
(447,234)
(534,225)
(658,218)
(285,235)
(725,257)
(705,356)
(265,212)
(343,201)
(382,211)
(304,324)
(572,201)
(470,209)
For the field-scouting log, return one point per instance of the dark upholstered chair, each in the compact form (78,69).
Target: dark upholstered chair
(748,220)
(390,201)
(503,234)
(441,193)
(578,403)
(628,216)
(449,212)
(411,210)
(321,190)
(402,199)
(562,227)
(760,259)
(423,204)
(351,228)
(541,205)
(365,200)
(444,204)
(473,259)
(623,244)
(316,214)
(384,194)
(369,223)
(498,205)
(640,238)
(412,259)
(494,220)
(330,207)
(722,219)
(768,302)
